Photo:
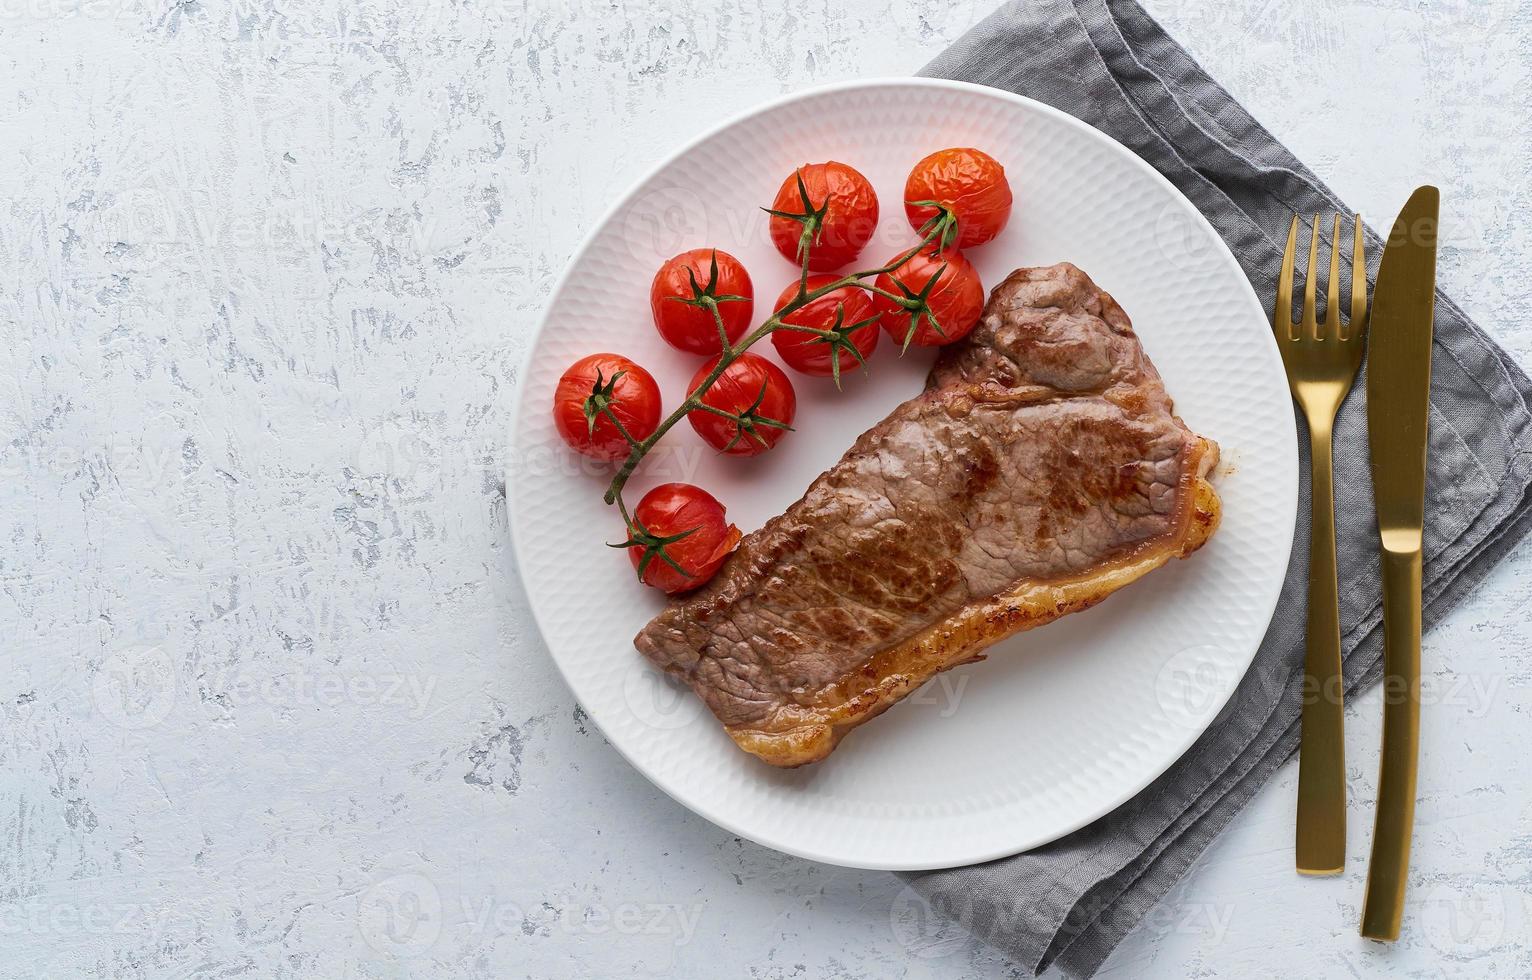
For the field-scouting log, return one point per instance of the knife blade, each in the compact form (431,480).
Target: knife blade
(1398,406)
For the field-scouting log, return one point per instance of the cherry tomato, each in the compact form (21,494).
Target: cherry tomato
(850,214)
(681,524)
(677,298)
(970,185)
(955,301)
(611,381)
(816,356)
(754,389)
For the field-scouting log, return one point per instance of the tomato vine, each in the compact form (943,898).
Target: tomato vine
(915,303)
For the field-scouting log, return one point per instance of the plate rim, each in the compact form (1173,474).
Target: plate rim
(1274,363)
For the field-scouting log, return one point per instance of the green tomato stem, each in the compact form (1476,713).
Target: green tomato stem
(731,353)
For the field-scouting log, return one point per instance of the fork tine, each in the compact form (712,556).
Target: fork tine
(1358,285)
(1332,289)
(1309,328)
(1282,317)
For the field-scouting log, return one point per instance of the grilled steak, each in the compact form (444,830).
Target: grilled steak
(1041,470)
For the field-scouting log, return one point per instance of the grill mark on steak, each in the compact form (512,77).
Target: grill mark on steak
(1041,469)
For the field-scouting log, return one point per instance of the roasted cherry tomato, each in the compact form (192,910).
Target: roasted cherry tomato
(951,307)
(605,381)
(680,294)
(830,208)
(681,537)
(964,189)
(752,388)
(843,307)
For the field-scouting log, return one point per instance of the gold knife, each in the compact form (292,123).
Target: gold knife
(1398,401)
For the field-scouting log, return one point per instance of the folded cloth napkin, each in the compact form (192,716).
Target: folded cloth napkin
(1108,63)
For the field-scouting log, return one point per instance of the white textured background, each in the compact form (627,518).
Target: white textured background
(270,701)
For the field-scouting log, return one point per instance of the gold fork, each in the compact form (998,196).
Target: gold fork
(1322,362)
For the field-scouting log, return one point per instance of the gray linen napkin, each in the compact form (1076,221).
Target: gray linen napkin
(1110,64)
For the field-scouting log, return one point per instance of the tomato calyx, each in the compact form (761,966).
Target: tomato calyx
(748,422)
(919,306)
(941,226)
(654,547)
(602,394)
(838,336)
(812,219)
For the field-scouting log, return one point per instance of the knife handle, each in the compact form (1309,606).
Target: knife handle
(1383,907)
(1321,836)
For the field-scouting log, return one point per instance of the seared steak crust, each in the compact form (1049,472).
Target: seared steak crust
(1041,469)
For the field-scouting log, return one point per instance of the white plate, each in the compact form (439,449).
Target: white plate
(1062,724)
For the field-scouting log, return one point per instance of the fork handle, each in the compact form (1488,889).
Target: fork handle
(1321,838)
